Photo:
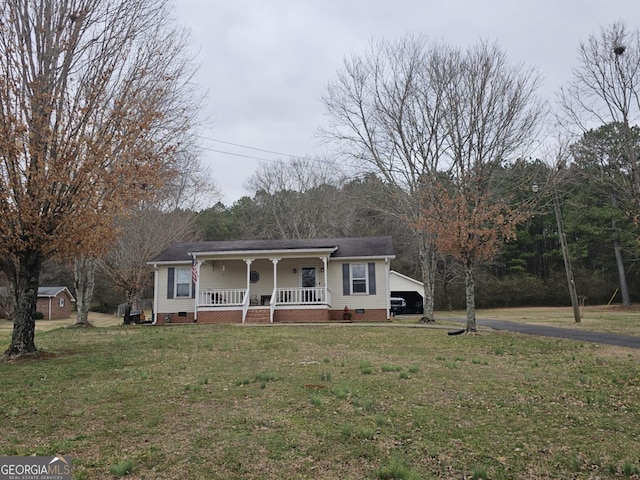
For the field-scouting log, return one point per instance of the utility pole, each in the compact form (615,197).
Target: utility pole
(565,253)
(565,256)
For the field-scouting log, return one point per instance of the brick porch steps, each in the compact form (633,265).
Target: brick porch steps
(260,315)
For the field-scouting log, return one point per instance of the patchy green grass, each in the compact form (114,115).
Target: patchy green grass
(120,469)
(344,401)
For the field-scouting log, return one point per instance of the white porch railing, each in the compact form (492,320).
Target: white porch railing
(222,297)
(227,297)
(301,296)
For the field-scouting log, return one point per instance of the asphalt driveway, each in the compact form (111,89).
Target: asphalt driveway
(526,328)
(558,332)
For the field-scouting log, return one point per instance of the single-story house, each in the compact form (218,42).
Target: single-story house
(54,302)
(315,280)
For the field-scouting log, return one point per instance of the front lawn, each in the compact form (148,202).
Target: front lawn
(322,402)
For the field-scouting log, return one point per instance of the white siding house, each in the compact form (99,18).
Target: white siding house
(273,281)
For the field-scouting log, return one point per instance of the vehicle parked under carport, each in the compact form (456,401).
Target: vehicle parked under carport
(398,305)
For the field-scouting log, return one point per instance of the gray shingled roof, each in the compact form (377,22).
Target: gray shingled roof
(53,292)
(346,247)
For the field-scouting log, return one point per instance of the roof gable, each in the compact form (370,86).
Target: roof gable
(52,292)
(340,247)
(400,282)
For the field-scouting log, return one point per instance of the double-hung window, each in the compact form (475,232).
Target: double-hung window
(359,283)
(183,282)
(359,278)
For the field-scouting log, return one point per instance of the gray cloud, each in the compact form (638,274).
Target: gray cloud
(265,64)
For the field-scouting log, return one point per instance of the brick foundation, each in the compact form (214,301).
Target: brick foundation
(221,316)
(174,318)
(302,315)
(311,315)
(373,315)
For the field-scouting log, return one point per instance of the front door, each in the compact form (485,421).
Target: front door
(308,281)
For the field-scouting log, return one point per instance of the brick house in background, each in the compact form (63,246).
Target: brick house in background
(54,302)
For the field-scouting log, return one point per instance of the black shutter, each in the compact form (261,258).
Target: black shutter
(193,289)
(346,280)
(372,278)
(170,282)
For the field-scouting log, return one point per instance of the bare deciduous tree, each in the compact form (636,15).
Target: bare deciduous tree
(7,298)
(492,115)
(144,234)
(95,100)
(385,112)
(171,209)
(191,187)
(606,89)
(301,198)
(84,272)
(417,113)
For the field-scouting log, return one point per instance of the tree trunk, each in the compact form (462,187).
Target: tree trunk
(469,285)
(84,270)
(622,277)
(428,267)
(25,279)
(133,298)
(447,297)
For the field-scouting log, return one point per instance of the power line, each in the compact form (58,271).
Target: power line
(348,177)
(289,156)
(250,148)
(209,149)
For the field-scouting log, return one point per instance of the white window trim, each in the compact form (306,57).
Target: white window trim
(366,278)
(176,283)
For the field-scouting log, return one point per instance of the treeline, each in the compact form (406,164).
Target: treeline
(426,140)
(528,271)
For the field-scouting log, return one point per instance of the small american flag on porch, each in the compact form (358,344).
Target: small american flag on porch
(194,269)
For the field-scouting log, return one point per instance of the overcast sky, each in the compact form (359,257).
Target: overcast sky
(265,63)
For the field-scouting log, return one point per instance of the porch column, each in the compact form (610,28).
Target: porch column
(326,288)
(275,273)
(387,271)
(248,261)
(195,278)
(274,297)
(156,293)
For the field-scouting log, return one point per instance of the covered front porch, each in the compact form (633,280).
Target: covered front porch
(260,289)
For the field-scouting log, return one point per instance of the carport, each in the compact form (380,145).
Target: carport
(408,288)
